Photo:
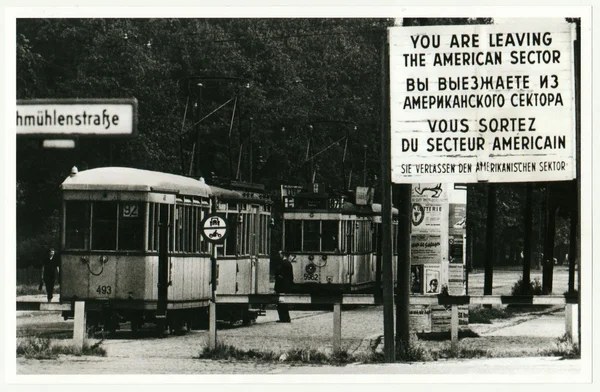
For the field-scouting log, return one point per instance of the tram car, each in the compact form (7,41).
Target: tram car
(132,247)
(331,239)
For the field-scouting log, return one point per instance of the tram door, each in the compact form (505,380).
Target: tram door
(349,267)
(254,248)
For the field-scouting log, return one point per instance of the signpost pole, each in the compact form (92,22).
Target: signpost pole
(214,230)
(402,196)
(489,240)
(386,207)
(212,321)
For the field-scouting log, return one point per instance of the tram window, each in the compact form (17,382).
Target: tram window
(77,224)
(131,225)
(312,236)
(231,241)
(329,236)
(293,236)
(104,226)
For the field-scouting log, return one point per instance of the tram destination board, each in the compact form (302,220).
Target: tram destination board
(491,103)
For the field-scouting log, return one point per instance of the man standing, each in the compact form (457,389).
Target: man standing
(50,270)
(284,280)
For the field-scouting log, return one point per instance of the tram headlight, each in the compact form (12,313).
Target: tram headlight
(85,259)
(104,259)
(310,269)
(311,257)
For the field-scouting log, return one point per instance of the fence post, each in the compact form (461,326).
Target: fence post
(454,329)
(79,332)
(337,327)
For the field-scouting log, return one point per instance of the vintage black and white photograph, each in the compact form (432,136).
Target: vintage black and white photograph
(278,195)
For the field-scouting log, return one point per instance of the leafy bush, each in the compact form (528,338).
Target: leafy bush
(533,288)
(485,315)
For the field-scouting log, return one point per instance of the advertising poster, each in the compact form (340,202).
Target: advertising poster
(429,208)
(420,318)
(416,279)
(432,280)
(456,279)
(441,318)
(426,249)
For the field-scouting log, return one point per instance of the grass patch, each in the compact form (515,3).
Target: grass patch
(565,348)
(40,347)
(485,315)
(32,289)
(297,355)
(226,352)
(416,351)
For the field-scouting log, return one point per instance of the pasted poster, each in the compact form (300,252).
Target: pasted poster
(428,211)
(441,317)
(432,280)
(420,318)
(416,279)
(456,279)
(426,249)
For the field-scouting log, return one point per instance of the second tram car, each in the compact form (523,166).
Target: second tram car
(133,251)
(332,240)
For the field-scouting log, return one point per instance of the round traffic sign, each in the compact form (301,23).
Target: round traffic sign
(214,228)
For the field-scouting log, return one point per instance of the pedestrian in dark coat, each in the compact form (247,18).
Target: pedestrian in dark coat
(284,280)
(50,271)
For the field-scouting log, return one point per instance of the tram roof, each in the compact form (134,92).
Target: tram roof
(130,179)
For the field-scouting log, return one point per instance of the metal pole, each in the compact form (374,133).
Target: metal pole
(549,242)
(489,242)
(212,306)
(402,197)
(386,207)
(527,237)
(365,165)
(251,152)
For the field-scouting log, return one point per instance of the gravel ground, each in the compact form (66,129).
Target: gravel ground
(175,355)
(309,329)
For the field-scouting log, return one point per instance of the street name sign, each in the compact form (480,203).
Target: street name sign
(76,117)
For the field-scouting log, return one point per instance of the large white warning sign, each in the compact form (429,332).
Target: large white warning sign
(482,103)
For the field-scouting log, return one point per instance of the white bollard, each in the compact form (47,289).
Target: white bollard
(337,327)
(79,332)
(212,325)
(571,327)
(454,329)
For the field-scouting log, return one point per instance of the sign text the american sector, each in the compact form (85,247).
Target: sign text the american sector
(482,101)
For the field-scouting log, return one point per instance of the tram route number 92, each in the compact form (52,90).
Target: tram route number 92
(311,276)
(104,289)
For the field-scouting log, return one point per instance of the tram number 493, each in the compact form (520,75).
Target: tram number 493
(104,289)
(311,276)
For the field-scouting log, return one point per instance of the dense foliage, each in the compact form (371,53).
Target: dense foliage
(237,98)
